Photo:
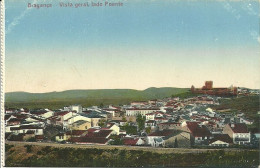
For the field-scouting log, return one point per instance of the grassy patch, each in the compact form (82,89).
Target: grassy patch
(93,157)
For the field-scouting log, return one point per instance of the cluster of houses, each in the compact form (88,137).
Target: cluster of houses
(170,122)
(246,91)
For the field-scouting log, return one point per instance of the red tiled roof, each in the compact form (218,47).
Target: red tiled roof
(239,128)
(130,141)
(76,132)
(221,137)
(99,133)
(198,131)
(160,118)
(39,137)
(20,116)
(142,109)
(62,113)
(39,112)
(14,120)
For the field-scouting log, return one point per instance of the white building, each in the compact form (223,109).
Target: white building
(142,111)
(238,132)
(77,108)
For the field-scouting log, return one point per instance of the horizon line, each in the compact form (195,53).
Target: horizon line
(119,89)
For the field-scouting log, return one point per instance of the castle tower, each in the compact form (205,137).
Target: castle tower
(209,85)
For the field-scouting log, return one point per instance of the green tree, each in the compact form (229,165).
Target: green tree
(148,130)
(140,122)
(129,129)
(102,123)
(176,143)
(101,105)
(116,140)
(124,119)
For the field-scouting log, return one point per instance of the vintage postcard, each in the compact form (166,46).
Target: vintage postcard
(130,83)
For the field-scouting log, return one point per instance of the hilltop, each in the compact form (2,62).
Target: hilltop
(87,97)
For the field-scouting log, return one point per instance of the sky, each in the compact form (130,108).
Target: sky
(142,44)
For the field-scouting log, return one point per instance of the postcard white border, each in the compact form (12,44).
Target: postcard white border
(2,15)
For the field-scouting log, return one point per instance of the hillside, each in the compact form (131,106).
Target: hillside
(248,105)
(87,97)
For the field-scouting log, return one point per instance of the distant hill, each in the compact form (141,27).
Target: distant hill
(88,97)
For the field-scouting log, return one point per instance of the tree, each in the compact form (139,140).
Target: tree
(148,130)
(176,143)
(124,119)
(101,123)
(140,122)
(129,129)
(116,140)
(101,105)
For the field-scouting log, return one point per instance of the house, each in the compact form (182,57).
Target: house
(24,128)
(73,133)
(143,111)
(199,133)
(179,139)
(80,125)
(150,116)
(39,138)
(73,119)
(220,140)
(112,110)
(155,139)
(47,114)
(14,121)
(114,127)
(76,108)
(157,142)
(159,120)
(94,136)
(10,110)
(104,133)
(238,132)
(150,123)
(64,115)
(153,115)
(246,121)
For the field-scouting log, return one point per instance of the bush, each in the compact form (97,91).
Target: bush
(28,148)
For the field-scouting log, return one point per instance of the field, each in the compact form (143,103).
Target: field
(109,156)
